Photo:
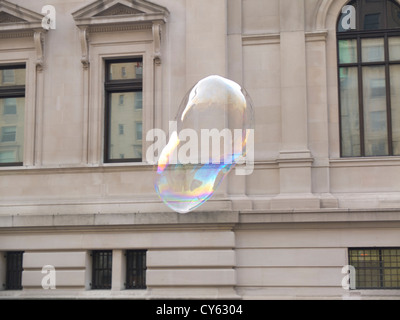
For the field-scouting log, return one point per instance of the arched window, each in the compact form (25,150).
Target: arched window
(368,35)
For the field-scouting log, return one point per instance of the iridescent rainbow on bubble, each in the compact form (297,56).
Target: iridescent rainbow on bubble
(211,137)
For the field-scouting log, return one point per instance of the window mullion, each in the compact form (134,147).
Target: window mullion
(360,97)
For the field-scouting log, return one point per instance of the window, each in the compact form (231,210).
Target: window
(376,268)
(121,99)
(123,88)
(101,269)
(369,80)
(10,106)
(138,100)
(135,269)
(8,76)
(14,270)
(12,114)
(121,129)
(8,134)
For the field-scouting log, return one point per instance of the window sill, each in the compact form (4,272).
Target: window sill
(106,167)
(373,293)
(365,161)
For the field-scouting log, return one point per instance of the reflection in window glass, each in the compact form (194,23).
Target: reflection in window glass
(373,50)
(369,92)
(394,48)
(393,12)
(12,77)
(375,115)
(139,130)
(10,106)
(138,100)
(123,126)
(12,121)
(395,101)
(350,127)
(7,156)
(372,14)
(348,51)
(372,21)
(8,134)
(125,70)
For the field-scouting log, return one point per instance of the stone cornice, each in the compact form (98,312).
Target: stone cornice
(118,16)
(19,22)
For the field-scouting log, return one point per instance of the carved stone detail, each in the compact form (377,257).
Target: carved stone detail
(8,18)
(38,38)
(157,43)
(118,9)
(84,37)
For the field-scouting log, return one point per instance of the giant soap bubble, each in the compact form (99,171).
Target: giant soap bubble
(209,138)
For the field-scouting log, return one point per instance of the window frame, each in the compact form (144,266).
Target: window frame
(14,91)
(380,269)
(117,86)
(14,272)
(359,35)
(130,267)
(96,284)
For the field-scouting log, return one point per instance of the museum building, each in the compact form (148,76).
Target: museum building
(82,82)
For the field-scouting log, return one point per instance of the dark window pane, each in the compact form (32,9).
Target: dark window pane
(393,12)
(101,269)
(372,14)
(372,21)
(14,270)
(135,269)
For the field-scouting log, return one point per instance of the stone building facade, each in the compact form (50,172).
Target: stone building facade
(323,194)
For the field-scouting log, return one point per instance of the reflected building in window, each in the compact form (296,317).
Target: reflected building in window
(12,115)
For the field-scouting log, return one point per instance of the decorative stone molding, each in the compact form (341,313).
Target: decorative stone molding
(118,9)
(157,42)
(39,47)
(84,37)
(8,18)
(16,19)
(316,36)
(120,15)
(18,22)
(260,39)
